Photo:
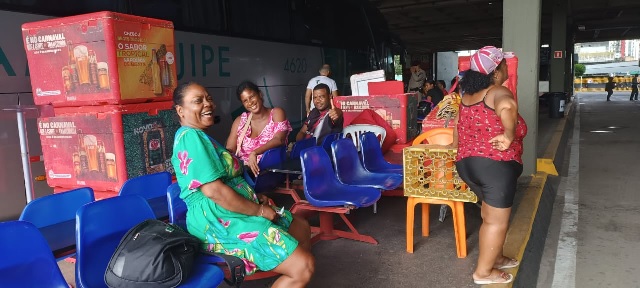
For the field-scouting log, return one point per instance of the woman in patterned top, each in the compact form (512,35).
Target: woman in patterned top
(223,210)
(268,127)
(489,136)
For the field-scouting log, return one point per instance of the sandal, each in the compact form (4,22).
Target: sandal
(510,263)
(501,278)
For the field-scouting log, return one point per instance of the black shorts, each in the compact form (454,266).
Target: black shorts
(494,182)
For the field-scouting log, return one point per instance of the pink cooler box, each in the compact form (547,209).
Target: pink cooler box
(103,146)
(100,58)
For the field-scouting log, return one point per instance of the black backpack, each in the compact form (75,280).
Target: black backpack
(152,254)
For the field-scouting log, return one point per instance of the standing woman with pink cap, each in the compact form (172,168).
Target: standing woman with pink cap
(489,137)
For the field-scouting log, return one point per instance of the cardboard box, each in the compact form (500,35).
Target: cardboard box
(399,110)
(100,58)
(103,146)
(359,82)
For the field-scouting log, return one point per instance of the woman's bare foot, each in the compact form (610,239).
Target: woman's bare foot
(496,277)
(506,263)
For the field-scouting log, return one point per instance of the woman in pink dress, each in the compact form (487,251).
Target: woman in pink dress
(268,127)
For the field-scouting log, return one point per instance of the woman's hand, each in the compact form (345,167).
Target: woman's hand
(264,200)
(268,213)
(252,162)
(500,142)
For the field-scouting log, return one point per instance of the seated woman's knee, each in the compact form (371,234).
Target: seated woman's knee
(308,267)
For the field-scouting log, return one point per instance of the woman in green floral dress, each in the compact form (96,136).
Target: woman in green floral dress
(223,210)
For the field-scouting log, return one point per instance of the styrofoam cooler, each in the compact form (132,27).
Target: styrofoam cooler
(100,58)
(103,146)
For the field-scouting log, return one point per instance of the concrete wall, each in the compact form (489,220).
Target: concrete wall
(447,67)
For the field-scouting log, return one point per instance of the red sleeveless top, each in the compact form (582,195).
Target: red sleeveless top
(477,124)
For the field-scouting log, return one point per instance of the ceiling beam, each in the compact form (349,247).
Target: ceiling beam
(405,6)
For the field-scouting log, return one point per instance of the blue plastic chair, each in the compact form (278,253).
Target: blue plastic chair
(268,181)
(55,216)
(153,188)
(327,195)
(372,158)
(349,169)
(178,216)
(101,226)
(326,143)
(301,145)
(26,258)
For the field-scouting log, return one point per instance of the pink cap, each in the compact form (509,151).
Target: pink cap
(487,59)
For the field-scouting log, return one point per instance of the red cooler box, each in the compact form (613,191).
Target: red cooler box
(103,146)
(399,110)
(100,58)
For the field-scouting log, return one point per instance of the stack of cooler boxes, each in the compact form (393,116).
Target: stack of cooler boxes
(110,78)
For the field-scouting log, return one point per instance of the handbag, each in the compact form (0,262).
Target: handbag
(152,254)
(243,133)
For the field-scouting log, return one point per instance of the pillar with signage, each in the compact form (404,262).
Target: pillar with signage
(558,47)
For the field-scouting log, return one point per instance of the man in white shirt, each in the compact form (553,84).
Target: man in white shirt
(325,70)
(417,78)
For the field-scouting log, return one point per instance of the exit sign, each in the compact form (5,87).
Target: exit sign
(557,54)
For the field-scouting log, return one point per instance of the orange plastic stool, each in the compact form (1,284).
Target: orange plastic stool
(458,221)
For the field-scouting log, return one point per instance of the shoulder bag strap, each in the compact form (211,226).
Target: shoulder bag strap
(243,133)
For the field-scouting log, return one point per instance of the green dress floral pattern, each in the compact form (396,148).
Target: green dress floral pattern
(261,243)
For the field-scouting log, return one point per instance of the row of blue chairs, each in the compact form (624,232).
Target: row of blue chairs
(100,225)
(58,225)
(55,218)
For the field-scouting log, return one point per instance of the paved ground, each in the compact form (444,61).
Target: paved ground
(346,263)
(594,233)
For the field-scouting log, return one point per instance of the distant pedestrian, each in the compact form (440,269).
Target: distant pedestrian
(417,78)
(609,88)
(634,88)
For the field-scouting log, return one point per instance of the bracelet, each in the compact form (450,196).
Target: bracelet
(261,210)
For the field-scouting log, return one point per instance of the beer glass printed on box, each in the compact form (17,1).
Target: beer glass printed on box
(103,75)
(82,61)
(73,68)
(91,147)
(111,166)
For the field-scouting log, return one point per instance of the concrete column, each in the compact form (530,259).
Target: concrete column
(521,34)
(558,66)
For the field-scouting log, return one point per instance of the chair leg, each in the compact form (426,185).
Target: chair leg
(326,230)
(410,219)
(425,219)
(375,207)
(460,228)
(288,190)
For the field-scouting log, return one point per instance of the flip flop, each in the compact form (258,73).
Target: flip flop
(503,278)
(512,263)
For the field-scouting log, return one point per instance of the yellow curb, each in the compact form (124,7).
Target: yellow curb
(522,223)
(547,166)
